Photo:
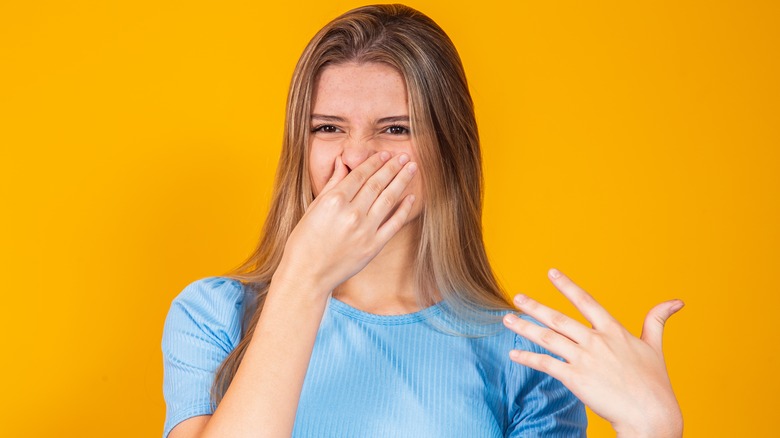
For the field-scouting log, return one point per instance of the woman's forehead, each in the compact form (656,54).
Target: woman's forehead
(355,88)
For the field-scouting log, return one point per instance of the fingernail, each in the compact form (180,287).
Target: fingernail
(554,273)
(514,354)
(412,168)
(677,306)
(411,198)
(403,159)
(520,299)
(510,318)
(384,155)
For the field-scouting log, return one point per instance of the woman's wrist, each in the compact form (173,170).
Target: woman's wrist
(290,281)
(669,425)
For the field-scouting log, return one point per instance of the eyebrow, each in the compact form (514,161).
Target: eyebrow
(327,118)
(393,119)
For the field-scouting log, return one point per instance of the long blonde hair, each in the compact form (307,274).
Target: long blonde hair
(451,259)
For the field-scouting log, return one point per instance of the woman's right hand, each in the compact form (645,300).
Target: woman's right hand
(349,222)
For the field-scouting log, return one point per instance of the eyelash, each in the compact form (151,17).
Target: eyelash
(330,129)
(322,128)
(404,128)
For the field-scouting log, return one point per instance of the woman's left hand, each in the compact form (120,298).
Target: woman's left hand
(622,378)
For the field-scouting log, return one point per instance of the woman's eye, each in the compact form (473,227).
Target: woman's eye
(397,130)
(325,128)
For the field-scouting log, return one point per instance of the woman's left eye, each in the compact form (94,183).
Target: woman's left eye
(397,130)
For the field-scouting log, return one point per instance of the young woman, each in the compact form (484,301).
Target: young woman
(369,308)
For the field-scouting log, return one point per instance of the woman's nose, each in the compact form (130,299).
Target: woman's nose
(356,151)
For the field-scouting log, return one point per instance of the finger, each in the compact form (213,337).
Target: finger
(396,221)
(542,362)
(377,183)
(339,172)
(553,318)
(354,181)
(583,301)
(543,337)
(653,328)
(387,201)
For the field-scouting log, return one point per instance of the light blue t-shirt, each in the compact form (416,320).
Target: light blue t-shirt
(373,375)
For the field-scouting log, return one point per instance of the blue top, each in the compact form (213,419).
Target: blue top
(374,375)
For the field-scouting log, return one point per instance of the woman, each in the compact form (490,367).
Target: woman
(369,306)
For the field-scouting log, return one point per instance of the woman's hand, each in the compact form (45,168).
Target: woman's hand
(349,222)
(622,378)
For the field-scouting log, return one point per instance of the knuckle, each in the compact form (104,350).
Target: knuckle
(334,199)
(598,343)
(360,176)
(571,380)
(624,335)
(584,299)
(392,227)
(612,325)
(559,320)
(657,317)
(519,326)
(366,252)
(522,357)
(374,186)
(587,339)
(352,218)
(574,355)
(544,362)
(388,200)
(547,337)
(530,304)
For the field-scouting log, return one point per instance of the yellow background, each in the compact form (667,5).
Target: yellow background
(633,145)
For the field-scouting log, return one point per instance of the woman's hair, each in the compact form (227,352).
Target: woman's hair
(451,262)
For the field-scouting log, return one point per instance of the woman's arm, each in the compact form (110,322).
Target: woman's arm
(342,230)
(620,377)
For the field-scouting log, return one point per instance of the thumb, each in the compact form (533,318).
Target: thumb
(339,172)
(653,329)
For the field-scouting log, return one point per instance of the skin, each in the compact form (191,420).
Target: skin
(356,241)
(360,110)
(357,235)
(622,378)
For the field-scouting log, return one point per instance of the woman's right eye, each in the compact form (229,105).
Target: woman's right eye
(325,128)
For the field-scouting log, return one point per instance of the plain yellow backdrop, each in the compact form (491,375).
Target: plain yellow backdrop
(633,145)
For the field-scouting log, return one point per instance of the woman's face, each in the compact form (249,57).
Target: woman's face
(358,110)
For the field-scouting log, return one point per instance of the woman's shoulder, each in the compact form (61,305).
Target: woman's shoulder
(211,294)
(500,338)
(214,306)
(202,327)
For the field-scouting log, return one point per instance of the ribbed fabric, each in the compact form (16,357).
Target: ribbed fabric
(374,375)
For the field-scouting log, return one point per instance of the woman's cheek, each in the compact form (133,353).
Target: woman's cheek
(320,169)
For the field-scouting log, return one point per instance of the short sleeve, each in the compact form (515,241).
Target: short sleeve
(542,406)
(202,327)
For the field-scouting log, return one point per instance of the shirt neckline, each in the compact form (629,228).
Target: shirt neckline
(406,318)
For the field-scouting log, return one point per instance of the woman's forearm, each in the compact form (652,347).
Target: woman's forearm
(352,218)
(263,397)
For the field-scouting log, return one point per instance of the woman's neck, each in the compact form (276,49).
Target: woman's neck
(386,286)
